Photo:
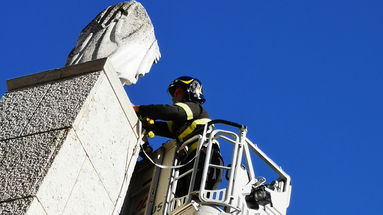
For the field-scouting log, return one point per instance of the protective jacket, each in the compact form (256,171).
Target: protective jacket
(180,121)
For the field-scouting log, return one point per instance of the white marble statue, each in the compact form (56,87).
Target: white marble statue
(124,34)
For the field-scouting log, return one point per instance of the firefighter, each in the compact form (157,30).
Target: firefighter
(180,121)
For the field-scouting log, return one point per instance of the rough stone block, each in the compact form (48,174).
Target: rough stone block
(36,208)
(16,207)
(43,107)
(95,200)
(17,107)
(56,188)
(71,144)
(106,135)
(25,161)
(61,104)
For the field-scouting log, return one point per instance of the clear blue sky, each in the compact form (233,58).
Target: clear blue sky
(304,76)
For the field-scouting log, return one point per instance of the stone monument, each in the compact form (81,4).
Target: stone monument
(124,34)
(69,137)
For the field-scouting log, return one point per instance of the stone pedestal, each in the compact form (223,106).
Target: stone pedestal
(68,142)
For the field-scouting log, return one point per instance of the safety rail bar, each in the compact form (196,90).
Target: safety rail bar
(278,169)
(227,197)
(203,195)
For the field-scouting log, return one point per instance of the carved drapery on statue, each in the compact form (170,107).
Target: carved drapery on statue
(124,34)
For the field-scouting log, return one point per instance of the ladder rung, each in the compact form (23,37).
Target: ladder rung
(220,167)
(185,173)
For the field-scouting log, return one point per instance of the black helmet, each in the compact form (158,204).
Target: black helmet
(192,87)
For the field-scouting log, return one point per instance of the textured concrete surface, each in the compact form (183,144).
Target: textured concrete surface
(113,135)
(16,207)
(61,104)
(36,208)
(43,107)
(58,184)
(101,134)
(24,162)
(69,145)
(88,195)
(17,107)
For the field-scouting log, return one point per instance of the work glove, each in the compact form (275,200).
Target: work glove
(148,125)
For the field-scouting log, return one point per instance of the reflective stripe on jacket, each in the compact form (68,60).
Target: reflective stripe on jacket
(179,121)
